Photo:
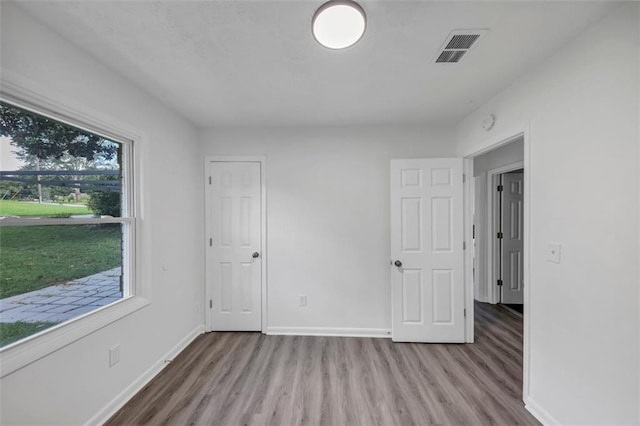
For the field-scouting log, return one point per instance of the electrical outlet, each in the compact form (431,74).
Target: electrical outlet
(302,300)
(114,355)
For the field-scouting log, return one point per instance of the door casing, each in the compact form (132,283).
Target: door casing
(208,317)
(491,142)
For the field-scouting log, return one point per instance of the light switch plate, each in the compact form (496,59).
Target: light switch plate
(553,252)
(114,355)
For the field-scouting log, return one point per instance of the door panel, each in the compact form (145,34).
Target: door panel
(441,226)
(411,214)
(442,296)
(412,296)
(427,236)
(235,224)
(512,241)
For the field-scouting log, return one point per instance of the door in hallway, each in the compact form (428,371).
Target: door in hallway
(512,241)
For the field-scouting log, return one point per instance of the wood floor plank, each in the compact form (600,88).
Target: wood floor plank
(253,379)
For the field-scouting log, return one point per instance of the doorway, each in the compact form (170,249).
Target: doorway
(498,163)
(498,226)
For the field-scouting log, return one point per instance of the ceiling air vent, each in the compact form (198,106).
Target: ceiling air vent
(456,46)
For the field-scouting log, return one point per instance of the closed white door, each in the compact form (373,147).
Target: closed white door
(234,259)
(512,242)
(427,250)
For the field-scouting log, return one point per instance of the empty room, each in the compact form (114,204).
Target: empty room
(332,212)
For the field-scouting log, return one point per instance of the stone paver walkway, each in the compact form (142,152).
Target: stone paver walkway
(62,302)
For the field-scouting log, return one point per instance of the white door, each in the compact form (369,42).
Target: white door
(234,259)
(512,242)
(427,250)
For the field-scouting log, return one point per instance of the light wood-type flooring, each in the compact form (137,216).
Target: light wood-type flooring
(251,378)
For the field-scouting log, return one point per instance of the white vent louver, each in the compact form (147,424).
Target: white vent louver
(457,45)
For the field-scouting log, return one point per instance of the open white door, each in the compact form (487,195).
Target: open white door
(512,241)
(427,250)
(234,258)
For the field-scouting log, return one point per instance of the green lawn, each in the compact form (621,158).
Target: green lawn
(14,331)
(34,257)
(30,209)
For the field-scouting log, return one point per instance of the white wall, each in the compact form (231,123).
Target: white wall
(328,218)
(74,383)
(582,107)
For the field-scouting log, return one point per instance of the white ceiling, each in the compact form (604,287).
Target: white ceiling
(247,63)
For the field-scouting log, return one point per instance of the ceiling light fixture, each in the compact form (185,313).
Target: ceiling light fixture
(338,24)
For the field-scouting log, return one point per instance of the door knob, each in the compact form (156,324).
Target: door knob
(397,263)
(255,254)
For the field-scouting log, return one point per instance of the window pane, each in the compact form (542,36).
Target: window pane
(51,274)
(49,169)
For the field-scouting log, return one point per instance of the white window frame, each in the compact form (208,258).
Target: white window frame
(135,296)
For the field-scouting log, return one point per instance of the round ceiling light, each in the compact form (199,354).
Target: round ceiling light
(338,24)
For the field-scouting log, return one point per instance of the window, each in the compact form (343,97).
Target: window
(66,222)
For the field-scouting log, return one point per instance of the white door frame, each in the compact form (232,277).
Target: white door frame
(481,288)
(490,143)
(493,248)
(208,232)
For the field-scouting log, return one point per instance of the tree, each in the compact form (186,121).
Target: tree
(65,162)
(44,138)
(48,145)
(105,203)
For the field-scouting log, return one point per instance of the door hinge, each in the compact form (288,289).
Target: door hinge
(500,188)
(499,282)
(464,245)
(209,180)
(210,242)
(465,312)
(500,235)
(210,303)
(473,232)
(464,178)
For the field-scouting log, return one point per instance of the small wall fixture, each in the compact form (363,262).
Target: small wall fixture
(488,122)
(338,24)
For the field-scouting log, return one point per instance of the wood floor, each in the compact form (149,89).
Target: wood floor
(250,378)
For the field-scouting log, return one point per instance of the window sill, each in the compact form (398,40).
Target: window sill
(22,353)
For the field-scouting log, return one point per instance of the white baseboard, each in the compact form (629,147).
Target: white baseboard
(328,331)
(540,413)
(118,402)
